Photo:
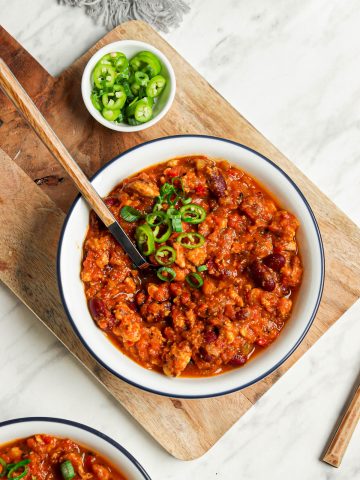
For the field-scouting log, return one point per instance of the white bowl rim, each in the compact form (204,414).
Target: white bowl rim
(86,79)
(241,386)
(84,427)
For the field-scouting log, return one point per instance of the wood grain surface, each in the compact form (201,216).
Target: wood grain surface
(35,192)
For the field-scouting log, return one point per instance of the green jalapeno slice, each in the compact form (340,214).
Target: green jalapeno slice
(191,240)
(3,467)
(156,218)
(104,76)
(145,239)
(163,231)
(110,115)
(96,102)
(155,86)
(141,78)
(166,274)
(194,280)
(192,213)
(165,255)
(146,62)
(115,100)
(14,468)
(143,111)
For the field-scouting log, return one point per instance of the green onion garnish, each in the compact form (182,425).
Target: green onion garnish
(194,280)
(176,224)
(202,268)
(166,274)
(130,214)
(67,470)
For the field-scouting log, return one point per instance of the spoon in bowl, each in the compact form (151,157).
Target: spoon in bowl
(12,88)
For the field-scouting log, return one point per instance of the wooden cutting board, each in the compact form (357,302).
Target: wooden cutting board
(35,193)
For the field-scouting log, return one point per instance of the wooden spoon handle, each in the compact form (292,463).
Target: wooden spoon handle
(25,105)
(341,439)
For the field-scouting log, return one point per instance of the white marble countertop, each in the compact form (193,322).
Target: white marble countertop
(292,70)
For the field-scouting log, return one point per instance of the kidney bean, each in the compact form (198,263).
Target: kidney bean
(275,261)
(238,360)
(216,182)
(96,308)
(210,336)
(262,275)
(111,201)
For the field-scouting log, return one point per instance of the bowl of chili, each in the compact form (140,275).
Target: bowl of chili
(266,265)
(43,447)
(128,85)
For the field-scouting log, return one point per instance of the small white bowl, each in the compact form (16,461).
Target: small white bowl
(130,48)
(25,427)
(269,175)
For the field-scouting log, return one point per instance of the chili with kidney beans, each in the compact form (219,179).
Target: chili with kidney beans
(42,457)
(227,267)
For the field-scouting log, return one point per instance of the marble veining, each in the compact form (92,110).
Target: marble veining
(291,68)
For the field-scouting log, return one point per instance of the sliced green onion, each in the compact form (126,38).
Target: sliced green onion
(191,240)
(176,224)
(194,280)
(67,470)
(166,274)
(4,467)
(145,239)
(202,268)
(186,201)
(172,212)
(130,214)
(166,189)
(16,467)
(178,179)
(192,213)
(165,255)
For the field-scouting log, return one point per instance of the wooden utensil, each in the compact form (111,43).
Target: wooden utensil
(338,445)
(25,105)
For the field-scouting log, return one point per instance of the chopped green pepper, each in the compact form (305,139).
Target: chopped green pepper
(104,76)
(155,86)
(145,239)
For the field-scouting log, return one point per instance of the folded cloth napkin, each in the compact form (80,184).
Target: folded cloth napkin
(161,14)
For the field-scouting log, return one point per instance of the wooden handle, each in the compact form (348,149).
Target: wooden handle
(25,105)
(341,439)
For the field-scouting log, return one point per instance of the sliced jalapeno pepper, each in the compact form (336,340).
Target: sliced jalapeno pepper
(191,240)
(104,76)
(147,62)
(96,102)
(135,88)
(145,239)
(110,114)
(141,78)
(165,255)
(194,280)
(166,274)
(163,231)
(156,218)
(143,111)
(115,100)
(155,86)
(192,213)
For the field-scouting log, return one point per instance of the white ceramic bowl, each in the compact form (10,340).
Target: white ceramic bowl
(24,427)
(305,308)
(130,48)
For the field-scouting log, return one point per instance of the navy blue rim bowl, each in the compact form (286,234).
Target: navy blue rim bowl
(240,387)
(81,427)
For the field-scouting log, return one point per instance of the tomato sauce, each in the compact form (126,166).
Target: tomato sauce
(249,264)
(41,457)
